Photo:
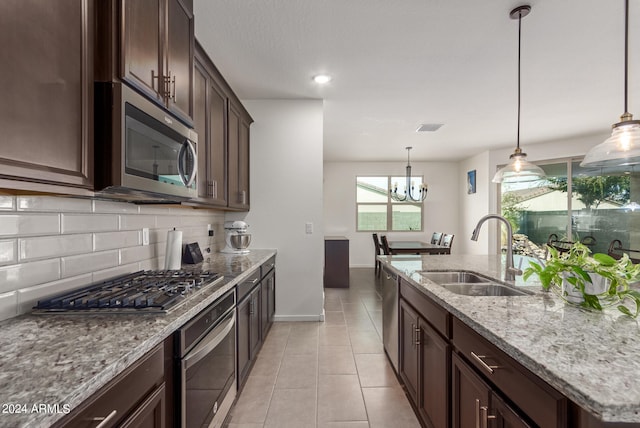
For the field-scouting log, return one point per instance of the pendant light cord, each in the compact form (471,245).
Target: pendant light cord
(626,56)
(519,44)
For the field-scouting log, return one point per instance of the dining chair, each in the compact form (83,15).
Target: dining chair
(385,245)
(378,263)
(447,240)
(436,238)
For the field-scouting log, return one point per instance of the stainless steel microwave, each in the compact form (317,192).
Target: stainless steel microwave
(142,153)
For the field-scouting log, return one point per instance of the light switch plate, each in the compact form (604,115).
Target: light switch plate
(308,227)
(145,236)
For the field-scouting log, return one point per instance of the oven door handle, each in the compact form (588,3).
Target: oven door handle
(207,344)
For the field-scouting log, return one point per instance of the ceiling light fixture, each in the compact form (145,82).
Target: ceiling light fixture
(322,79)
(623,147)
(519,170)
(409,187)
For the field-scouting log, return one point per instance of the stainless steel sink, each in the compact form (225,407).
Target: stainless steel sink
(471,284)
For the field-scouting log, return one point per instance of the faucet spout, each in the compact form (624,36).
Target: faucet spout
(511,271)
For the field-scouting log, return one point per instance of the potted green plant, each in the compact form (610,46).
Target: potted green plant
(592,281)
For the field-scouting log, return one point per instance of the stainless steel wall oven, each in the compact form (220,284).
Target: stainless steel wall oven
(207,361)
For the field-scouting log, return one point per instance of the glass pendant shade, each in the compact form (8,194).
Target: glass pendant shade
(621,149)
(519,170)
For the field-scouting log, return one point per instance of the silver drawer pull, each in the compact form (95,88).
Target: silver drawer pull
(479,359)
(105,420)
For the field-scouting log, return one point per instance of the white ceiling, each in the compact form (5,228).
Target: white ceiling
(397,64)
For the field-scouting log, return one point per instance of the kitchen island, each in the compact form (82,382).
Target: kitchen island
(60,361)
(591,358)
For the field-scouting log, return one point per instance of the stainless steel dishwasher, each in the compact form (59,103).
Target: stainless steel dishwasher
(390,315)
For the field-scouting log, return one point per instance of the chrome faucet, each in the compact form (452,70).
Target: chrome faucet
(511,271)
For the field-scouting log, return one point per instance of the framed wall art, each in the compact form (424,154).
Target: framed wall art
(471,182)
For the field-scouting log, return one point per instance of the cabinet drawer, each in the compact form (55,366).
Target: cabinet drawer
(247,285)
(543,404)
(268,266)
(123,394)
(432,312)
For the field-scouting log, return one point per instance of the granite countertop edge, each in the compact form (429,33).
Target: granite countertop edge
(470,311)
(138,333)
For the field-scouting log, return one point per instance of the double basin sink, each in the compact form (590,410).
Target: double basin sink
(471,284)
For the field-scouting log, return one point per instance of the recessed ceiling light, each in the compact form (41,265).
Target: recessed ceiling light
(429,127)
(322,79)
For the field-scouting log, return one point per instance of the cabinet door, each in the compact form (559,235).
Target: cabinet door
(141,55)
(435,357)
(255,331)
(505,416)
(150,413)
(217,144)
(200,124)
(268,303)
(47,105)
(271,305)
(235,196)
(180,45)
(469,394)
(243,324)
(243,164)
(409,340)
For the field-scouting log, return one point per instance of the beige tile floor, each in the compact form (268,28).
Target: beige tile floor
(331,374)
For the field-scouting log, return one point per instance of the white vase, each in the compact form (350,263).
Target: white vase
(570,292)
(598,285)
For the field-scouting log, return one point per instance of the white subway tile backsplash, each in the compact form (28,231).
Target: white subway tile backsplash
(29,224)
(76,265)
(79,223)
(25,275)
(8,203)
(8,251)
(100,206)
(54,246)
(129,222)
(136,254)
(112,240)
(28,297)
(8,305)
(53,203)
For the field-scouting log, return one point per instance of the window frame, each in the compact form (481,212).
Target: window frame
(390,203)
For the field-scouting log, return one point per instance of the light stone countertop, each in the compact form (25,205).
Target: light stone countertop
(64,359)
(592,358)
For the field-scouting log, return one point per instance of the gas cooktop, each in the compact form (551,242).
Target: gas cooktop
(140,292)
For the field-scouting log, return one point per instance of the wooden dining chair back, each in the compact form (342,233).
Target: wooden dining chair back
(378,247)
(436,238)
(447,241)
(385,245)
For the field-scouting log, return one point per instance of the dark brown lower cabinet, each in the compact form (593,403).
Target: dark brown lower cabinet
(424,367)
(475,404)
(249,332)
(268,304)
(135,398)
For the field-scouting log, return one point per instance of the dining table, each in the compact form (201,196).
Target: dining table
(417,247)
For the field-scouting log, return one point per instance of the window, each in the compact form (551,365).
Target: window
(576,203)
(376,211)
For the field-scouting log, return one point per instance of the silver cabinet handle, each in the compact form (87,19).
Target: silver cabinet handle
(477,413)
(105,420)
(485,416)
(479,359)
(417,336)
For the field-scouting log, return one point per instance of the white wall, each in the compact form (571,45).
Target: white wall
(474,206)
(440,208)
(286,193)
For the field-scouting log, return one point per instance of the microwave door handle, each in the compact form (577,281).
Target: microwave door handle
(187,181)
(209,343)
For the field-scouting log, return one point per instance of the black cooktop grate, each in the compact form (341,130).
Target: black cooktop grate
(143,291)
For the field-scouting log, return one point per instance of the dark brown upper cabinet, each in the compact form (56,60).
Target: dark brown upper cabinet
(156,51)
(47,107)
(222,124)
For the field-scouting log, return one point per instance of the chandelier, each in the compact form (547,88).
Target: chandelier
(409,188)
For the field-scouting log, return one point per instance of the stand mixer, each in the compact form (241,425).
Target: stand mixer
(236,237)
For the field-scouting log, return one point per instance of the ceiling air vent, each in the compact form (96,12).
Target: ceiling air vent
(429,127)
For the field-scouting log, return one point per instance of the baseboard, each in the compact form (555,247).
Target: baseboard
(313,318)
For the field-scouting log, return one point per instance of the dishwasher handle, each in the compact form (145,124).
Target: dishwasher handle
(209,343)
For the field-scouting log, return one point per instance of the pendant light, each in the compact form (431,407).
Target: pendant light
(519,170)
(623,147)
(409,188)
